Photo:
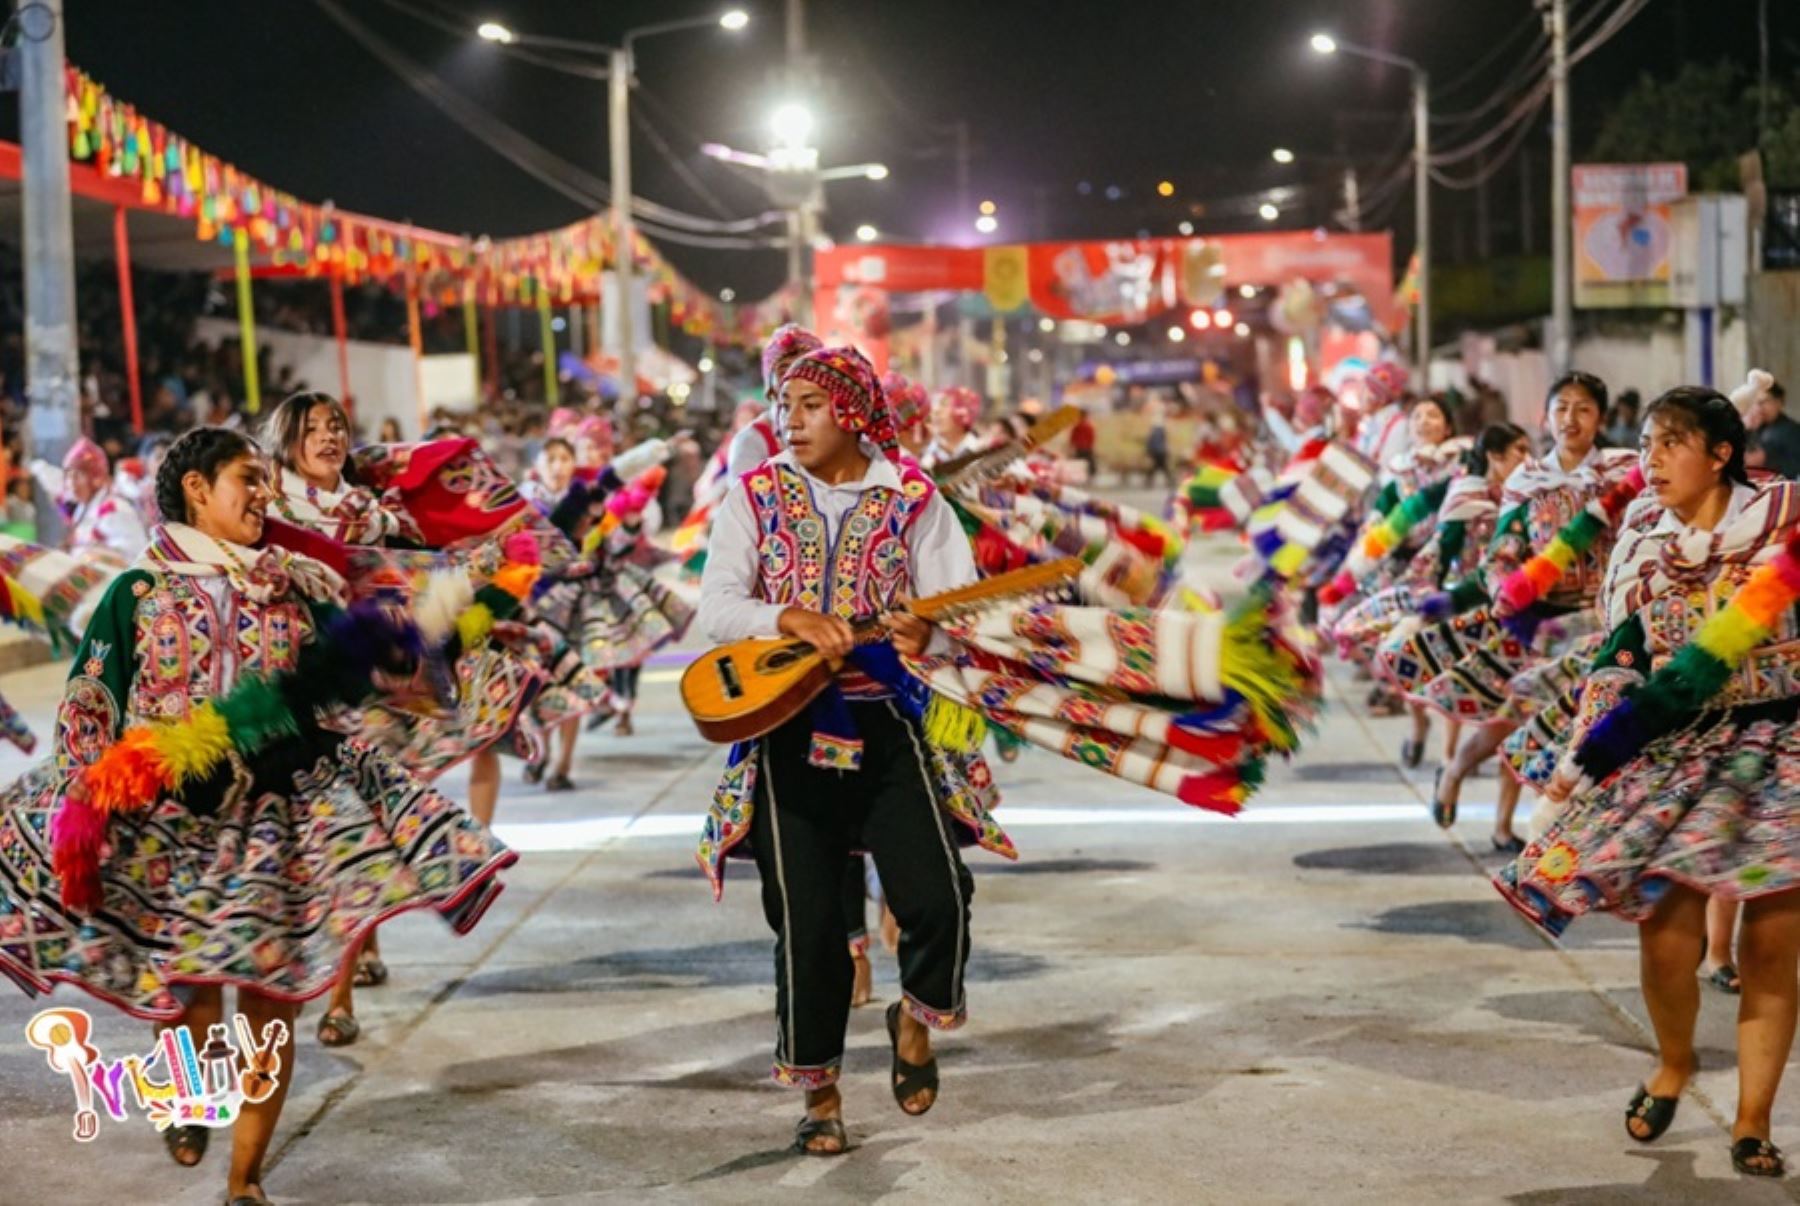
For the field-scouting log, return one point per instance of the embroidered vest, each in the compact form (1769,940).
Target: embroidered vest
(862,572)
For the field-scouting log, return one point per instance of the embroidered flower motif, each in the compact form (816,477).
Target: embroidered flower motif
(1557,865)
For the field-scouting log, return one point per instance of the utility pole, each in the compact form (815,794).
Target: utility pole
(1422,202)
(799,219)
(1562,308)
(1527,223)
(965,326)
(1352,201)
(52,361)
(618,116)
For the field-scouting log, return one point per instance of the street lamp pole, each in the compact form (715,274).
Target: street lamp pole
(1325,44)
(618,121)
(1422,203)
(1562,302)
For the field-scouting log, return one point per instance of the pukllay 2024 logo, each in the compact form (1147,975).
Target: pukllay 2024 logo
(175,1084)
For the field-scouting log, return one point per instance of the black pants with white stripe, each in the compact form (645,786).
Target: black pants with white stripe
(807,822)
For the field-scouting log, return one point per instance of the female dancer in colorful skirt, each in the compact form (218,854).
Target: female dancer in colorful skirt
(1468,667)
(1680,779)
(1458,518)
(263,876)
(1434,455)
(318,487)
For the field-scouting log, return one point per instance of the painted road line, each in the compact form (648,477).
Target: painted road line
(588,832)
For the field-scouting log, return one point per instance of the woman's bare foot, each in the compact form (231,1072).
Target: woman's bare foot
(862,990)
(820,1105)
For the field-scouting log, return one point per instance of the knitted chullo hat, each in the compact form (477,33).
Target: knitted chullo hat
(857,402)
(1385,383)
(964,403)
(789,342)
(907,401)
(85,456)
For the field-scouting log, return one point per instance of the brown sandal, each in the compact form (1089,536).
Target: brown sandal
(339,1029)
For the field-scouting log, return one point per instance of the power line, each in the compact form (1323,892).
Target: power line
(571,180)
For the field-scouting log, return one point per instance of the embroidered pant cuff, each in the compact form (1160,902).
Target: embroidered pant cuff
(790,1076)
(936,1019)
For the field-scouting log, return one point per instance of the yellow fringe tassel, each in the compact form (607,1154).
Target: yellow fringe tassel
(1253,667)
(192,749)
(950,726)
(473,626)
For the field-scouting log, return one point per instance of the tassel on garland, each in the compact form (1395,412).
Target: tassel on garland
(1699,670)
(1382,539)
(1201,491)
(149,761)
(1532,581)
(950,726)
(1466,595)
(1261,667)
(622,505)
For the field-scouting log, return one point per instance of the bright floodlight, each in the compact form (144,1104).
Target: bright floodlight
(876,171)
(1200,320)
(493,31)
(735,20)
(792,124)
(987,224)
(1047,325)
(1242,329)
(1282,155)
(1123,339)
(1269,212)
(866,233)
(1176,334)
(1246,291)
(1222,318)
(988,207)
(1324,43)
(705,365)
(727,294)
(1186,228)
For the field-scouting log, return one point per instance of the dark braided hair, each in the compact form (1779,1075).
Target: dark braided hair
(1494,440)
(1694,408)
(205,450)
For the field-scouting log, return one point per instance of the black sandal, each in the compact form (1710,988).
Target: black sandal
(559,782)
(339,1029)
(179,1139)
(1512,844)
(1412,753)
(370,972)
(820,1128)
(1443,814)
(910,1079)
(1655,1112)
(1725,978)
(1751,1148)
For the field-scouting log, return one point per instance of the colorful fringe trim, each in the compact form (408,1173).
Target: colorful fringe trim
(1699,670)
(1383,538)
(149,761)
(1532,581)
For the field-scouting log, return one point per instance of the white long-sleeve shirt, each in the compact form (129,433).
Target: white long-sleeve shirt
(937,551)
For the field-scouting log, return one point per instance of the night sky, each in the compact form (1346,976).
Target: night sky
(1055,92)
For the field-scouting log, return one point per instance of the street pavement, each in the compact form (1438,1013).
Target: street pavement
(1323,999)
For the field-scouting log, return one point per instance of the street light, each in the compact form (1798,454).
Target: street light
(792,125)
(1176,334)
(1186,228)
(876,171)
(1326,44)
(987,224)
(866,233)
(618,75)
(1268,212)
(1282,155)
